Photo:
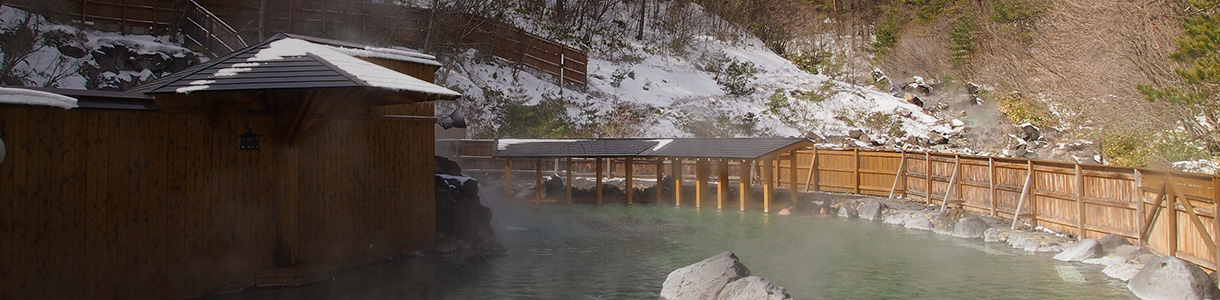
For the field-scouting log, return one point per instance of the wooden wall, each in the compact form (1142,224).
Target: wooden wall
(126,204)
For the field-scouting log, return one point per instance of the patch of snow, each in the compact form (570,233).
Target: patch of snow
(503,144)
(661,144)
(461,179)
(1205,166)
(35,98)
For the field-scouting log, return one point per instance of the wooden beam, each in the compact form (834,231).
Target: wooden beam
(768,184)
(816,170)
(1194,218)
(629,163)
(598,173)
(677,166)
(1033,194)
(537,181)
(812,168)
(1216,219)
(568,183)
(722,183)
(898,175)
(1150,220)
(1016,215)
(792,174)
(957,165)
(1172,205)
(660,175)
(991,184)
(1080,221)
(743,184)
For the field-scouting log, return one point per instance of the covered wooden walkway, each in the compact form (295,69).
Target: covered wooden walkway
(726,153)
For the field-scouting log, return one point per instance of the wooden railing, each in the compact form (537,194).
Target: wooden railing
(368,21)
(209,32)
(1171,213)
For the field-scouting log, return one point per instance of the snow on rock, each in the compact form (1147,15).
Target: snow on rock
(36,98)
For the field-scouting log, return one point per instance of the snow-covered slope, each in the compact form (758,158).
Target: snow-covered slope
(678,88)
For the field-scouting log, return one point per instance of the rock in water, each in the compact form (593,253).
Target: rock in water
(847,210)
(972,227)
(872,211)
(704,279)
(752,288)
(1082,250)
(1172,278)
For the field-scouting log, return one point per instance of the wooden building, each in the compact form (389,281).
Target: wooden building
(271,165)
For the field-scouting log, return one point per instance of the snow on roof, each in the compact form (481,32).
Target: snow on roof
(502,144)
(372,74)
(391,54)
(661,143)
(36,98)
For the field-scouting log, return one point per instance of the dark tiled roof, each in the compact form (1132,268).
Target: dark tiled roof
(741,148)
(235,72)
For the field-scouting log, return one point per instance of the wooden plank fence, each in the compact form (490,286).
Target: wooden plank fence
(1171,213)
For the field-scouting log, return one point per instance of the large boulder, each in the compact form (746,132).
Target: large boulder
(1172,278)
(972,227)
(848,210)
(1111,242)
(753,288)
(1082,250)
(919,222)
(704,279)
(872,211)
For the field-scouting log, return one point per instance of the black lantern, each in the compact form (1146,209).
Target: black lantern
(249,140)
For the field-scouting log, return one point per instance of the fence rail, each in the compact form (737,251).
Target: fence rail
(206,30)
(1171,213)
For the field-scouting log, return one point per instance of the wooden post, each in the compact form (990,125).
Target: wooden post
(677,165)
(508,177)
(537,181)
(701,169)
(928,178)
(1080,205)
(856,152)
(743,184)
(991,184)
(902,164)
(1033,195)
(792,173)
(629,164)
(957,165)
(598,173)
(660,176)
(1137,195)
(568,183)
(768,184)
(1196,221)
(1172,205)
(1216,219)
(721,183)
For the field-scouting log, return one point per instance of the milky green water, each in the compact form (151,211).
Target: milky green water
(625,252)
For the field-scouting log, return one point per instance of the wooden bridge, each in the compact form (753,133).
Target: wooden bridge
(1171,213)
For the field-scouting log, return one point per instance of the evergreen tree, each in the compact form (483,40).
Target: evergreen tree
(1198,99)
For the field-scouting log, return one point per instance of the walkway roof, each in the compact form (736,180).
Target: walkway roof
(734,148)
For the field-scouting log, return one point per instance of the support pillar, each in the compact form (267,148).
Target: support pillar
(701,169)
(768,184)
(508,178)
(629,164)
(660,176)
(743,183)
(722,183)
(796,194)
(537,181)
(677,165)
(598,173)
(568,182)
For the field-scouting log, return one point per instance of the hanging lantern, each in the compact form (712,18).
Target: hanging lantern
(249,140)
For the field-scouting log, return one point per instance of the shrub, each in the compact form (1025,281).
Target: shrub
(887,35)
(962,34)
(887,124)
(1019,109)
(719,125)
(547,119)
(737,78)
(780,106)
(1146,150)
